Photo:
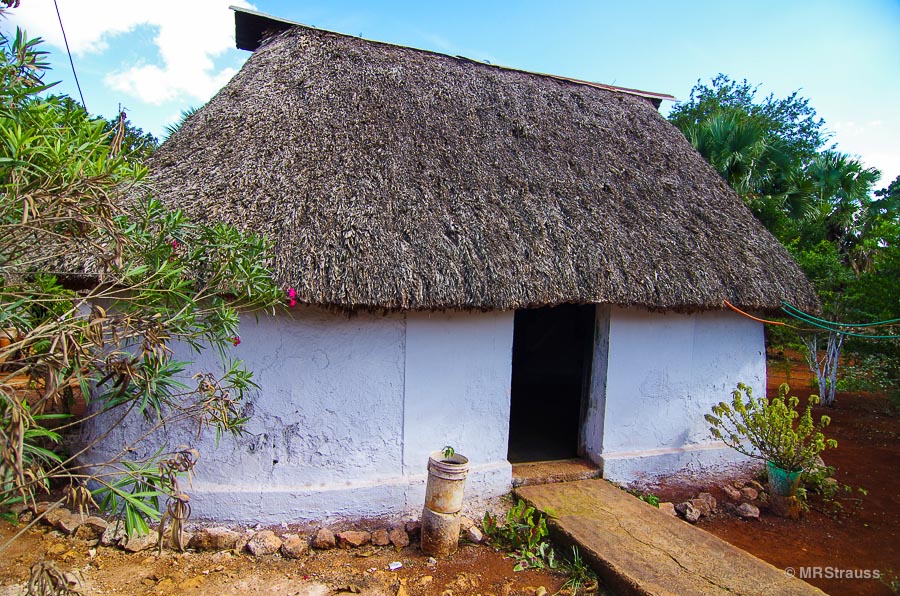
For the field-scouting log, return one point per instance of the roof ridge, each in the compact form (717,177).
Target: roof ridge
(251,24)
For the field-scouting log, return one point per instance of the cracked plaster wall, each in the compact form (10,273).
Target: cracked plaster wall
(347,410)
(664,372)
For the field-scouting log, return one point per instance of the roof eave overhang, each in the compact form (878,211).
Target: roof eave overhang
(251,27)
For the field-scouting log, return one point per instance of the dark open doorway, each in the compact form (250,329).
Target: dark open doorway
(552,351)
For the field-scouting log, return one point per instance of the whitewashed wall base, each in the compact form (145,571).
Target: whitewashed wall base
(401,496)
(638,467)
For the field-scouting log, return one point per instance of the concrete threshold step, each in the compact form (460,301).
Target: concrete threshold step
(637,549)
(546,472)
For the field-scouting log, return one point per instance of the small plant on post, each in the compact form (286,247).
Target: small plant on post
(447,471)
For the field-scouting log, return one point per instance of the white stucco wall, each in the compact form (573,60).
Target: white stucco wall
(347,411)
(349,407)
(664,371)
(458,375)
(590,443)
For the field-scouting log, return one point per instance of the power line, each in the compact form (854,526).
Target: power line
(838,328)
(817,323)
(789,307)
(69,52)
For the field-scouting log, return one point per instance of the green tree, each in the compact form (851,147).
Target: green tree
(759,147)
(734,145)
(879,229)
(819,203)
(757,164)
(97,282)
(791,119)
(843,195)
(873,294)
(849,250)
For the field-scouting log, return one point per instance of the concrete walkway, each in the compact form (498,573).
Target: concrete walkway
(637,549)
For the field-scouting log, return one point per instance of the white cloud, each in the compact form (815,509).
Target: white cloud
(188,37)
(873,142)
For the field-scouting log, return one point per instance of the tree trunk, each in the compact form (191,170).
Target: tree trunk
(826,368)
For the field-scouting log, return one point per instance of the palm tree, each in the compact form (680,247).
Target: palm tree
(172,128)
(843,201)
(732,144)
(756,164)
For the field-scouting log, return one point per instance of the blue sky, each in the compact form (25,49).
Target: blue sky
(156,58)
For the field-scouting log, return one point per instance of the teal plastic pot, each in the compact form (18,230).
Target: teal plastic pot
(783,482)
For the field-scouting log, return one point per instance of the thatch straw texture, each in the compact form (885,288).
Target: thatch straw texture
(395,178)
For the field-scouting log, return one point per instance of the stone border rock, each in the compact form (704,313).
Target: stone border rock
(745,499)
(259,543)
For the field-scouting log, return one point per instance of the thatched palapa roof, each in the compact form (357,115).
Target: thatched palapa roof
(390,177)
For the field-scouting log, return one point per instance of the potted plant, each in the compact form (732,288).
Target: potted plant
(773,431)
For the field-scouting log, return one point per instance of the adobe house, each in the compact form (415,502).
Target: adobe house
(523,266)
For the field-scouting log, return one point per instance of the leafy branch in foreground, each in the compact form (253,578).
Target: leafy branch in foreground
(98,280)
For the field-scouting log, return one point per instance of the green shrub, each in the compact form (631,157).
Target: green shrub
(524,534)
(651,499)
(139,278)
(891,581)
(771,430)
(873,372)
(819,480)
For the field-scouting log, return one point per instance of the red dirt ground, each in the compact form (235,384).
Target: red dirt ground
(472,570)
(868,452)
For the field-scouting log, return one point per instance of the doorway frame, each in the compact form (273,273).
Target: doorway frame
(587,316)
